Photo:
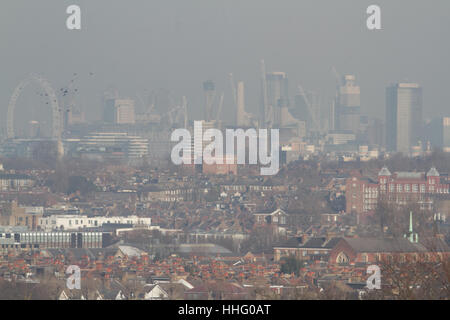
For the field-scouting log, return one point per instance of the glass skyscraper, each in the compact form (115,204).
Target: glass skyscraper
(403,116)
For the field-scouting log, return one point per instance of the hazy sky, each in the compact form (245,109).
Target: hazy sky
(141,45)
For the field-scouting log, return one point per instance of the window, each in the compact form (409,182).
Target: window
(342,258)
(422,188)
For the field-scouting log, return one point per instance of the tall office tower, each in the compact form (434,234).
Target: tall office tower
(434,132)
(375,132)
(34,128)
(403,116)
(197,135)
(348,106)
(264,109)
(446,134)
(73,115)
(119,111)
(332,116)
(277,95)
(209,89)
(240,97)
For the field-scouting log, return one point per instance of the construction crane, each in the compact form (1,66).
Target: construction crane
(310,109)
(173,115)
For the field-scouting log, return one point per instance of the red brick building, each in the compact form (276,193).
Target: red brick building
(363,194)
(372,250)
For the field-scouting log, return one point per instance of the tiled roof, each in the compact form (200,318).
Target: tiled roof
(384,245)
(409,175)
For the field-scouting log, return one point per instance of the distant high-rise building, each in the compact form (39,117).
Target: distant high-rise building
(375,132)
(446,134)
(119,111)
(34,127)
(264,109)
(209,89)
(240,97)
(434,132)
(332,116)
(403,116)
(198,136)
(74,117)
(348,106)
(277,95)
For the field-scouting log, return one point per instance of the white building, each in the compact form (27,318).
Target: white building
(76,222)
(119,144)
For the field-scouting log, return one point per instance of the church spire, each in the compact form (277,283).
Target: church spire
(413,237)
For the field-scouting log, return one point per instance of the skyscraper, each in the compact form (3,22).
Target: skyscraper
(348,106)
(277,94)
(241,115)
(446,133)
(264,110)
(209,89)
(119,111)
(403,116)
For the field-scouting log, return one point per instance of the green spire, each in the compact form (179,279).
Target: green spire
(413,237)
(410,222)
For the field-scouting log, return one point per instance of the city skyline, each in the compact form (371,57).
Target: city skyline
(367,55)
(252,150)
